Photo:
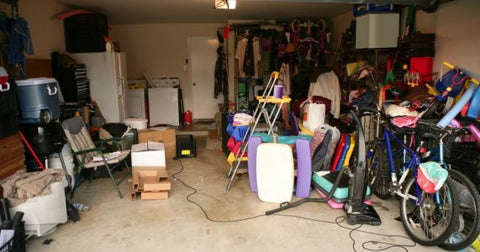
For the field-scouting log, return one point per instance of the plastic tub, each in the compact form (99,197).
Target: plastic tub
(44,213)
(38,100)
(136,123)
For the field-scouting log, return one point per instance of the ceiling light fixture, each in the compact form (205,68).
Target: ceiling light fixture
(225,4)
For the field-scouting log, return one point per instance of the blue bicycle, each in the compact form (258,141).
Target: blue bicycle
(428,218)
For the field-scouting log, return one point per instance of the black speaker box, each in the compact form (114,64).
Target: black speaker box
(85,33)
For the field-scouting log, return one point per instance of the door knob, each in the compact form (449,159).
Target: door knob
(194,84)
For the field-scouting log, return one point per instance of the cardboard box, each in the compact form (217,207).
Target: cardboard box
(162,195)
(148,154)
(154,195)
(150,183)
(164,135)
(150,179)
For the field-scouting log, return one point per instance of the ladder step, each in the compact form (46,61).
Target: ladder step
(231,158)
(272,99)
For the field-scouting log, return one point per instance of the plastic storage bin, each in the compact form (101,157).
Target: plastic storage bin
(359,9)
(136,123)
(44,213)
(38,100)
(186,146)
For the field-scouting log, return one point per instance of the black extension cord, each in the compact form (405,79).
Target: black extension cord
(338,221)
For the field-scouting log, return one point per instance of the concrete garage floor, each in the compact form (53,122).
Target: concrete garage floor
(237,221)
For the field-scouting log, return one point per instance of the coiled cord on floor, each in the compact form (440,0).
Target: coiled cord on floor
(200,206)
(338,221)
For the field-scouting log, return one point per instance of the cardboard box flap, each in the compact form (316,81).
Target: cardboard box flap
(148,146)
(153,145)
(165,135)
(139,147)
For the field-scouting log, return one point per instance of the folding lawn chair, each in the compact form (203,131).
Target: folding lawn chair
(88,155)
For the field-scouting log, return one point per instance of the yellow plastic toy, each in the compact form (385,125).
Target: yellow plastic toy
(432,90)
(231,158)
(350,151)
(303,129)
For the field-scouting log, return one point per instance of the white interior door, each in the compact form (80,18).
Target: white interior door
(202,56)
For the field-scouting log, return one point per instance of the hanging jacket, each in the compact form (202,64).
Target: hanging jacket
(221,80)
(18,41)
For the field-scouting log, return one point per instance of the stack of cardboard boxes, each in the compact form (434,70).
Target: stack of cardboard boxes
(149,175)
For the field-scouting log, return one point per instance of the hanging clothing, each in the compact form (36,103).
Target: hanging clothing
(18,41)
(300,85)
(240,55)
(248,63)
(328,86)
(221,79)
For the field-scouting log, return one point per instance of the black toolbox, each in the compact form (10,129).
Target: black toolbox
(186,146)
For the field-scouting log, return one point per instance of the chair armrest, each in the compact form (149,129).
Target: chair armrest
(89,150)
(103,141)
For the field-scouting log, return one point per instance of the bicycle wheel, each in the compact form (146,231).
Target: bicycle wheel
(379,173)
(433,220)
(469,219)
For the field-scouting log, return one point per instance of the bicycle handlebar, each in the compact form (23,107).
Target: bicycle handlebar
(435,129)
(308,40)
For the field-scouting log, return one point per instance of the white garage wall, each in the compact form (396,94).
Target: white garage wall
(456,26)
(160,49)
(338,25)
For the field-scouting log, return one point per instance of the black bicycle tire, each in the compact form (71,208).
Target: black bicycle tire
(380,175)
(452,222)
(471,236)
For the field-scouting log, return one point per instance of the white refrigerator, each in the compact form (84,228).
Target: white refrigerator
(107,74)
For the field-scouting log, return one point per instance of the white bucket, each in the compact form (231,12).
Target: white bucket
(136,123)
(55,163)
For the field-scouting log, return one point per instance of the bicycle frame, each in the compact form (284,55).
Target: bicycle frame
(413,164)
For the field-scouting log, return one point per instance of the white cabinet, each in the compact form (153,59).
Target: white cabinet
(107,73)
(163,106)
(377,30)
(136,103)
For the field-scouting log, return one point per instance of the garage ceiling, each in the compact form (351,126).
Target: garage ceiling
(202,11)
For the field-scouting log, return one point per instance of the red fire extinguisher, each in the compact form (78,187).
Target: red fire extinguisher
(187,117)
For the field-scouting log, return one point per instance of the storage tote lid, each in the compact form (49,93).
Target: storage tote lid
(35,81)
(137,123)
